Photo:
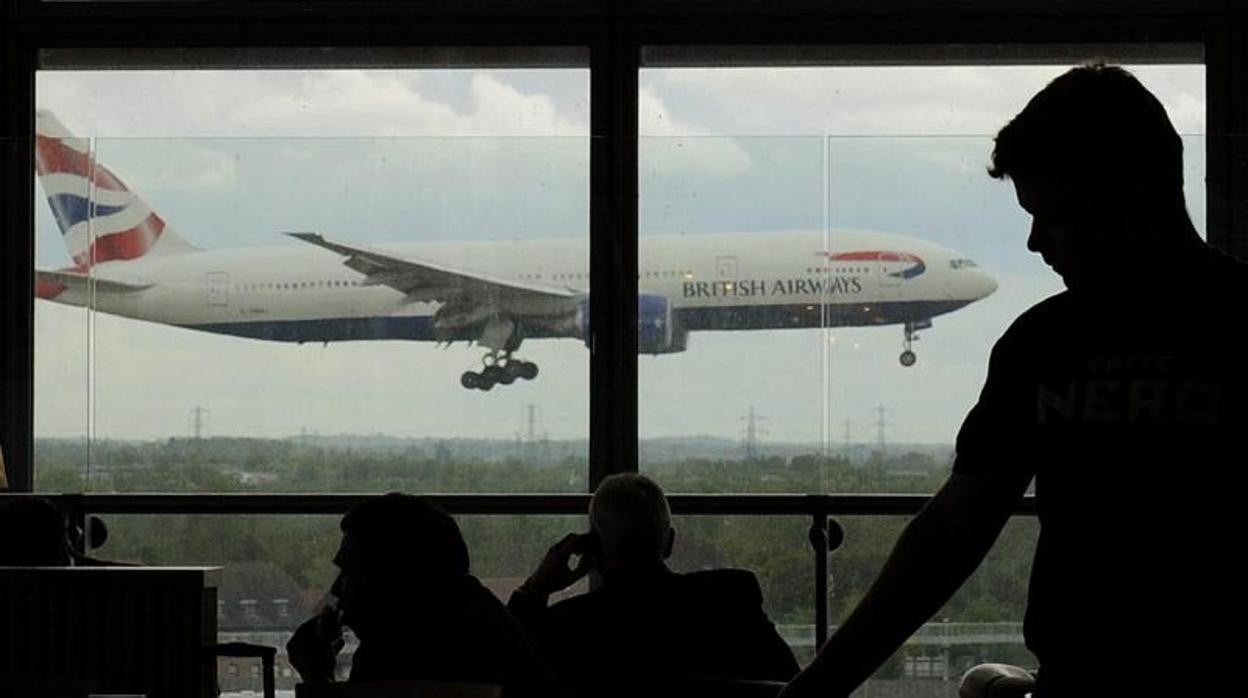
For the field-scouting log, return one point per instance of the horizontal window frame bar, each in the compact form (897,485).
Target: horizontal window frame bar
(494,10)
(917,54)
(865,504)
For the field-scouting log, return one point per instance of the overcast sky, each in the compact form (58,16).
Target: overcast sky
(232,159)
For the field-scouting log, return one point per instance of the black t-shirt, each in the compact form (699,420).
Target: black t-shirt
(1129,410)
(461,634)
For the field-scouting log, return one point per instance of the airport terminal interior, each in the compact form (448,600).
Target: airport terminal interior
(263,261)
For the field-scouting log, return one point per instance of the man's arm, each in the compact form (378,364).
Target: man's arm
(553,574)
(938,550)
(313,648)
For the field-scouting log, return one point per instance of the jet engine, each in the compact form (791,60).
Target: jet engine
(658,331)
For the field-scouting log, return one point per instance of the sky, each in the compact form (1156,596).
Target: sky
(233,158)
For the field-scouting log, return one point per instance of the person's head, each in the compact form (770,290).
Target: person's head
(629,513)
(394,547)
(33,533)
(1096,161)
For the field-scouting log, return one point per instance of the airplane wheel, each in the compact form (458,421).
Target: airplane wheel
(528,370)
(506,378)
(494,374)
(470,380)
(514,369)
(908,358)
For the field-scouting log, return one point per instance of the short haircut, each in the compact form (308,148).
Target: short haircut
(1095,126)
(403,536)
(631,516)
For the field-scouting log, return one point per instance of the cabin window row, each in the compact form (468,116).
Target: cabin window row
(295,286)
(837,270)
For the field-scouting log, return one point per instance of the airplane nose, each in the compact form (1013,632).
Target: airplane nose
(985,285)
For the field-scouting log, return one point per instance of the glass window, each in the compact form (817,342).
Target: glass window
(850,263)
(234,262)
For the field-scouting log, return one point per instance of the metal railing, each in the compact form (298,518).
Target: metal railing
(825,533)
(931,634)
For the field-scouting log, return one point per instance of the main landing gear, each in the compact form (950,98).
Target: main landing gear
(908,357)
(500,369)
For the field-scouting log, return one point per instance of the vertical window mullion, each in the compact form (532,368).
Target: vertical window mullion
(613,254)
(17,261)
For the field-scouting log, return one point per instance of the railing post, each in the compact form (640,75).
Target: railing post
(74,506)
(819,541)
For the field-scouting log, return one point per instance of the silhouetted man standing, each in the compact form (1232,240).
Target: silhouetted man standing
(1122,397)
(647,628)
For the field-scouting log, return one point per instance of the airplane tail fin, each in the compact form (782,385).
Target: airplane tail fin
(100,219)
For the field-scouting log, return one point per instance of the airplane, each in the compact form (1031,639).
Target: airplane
(128,261)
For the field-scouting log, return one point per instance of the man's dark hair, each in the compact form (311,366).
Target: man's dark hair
(1096,126)
(402,535)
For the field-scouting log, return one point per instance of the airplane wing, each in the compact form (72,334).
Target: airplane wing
(79,280)
(422,280)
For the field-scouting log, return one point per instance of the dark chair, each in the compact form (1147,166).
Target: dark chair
(996,681)
(264,653)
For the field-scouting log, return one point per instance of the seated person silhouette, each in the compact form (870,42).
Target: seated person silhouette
(404,589)
(647,627)
(1125,401)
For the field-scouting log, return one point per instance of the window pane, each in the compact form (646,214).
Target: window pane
(433,206)
(812,214)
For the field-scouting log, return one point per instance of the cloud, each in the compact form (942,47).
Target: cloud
(360,103)
(674,148)
(183,165)
(329,103)
(882,101)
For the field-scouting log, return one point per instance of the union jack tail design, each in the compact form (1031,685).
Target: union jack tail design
(100,219)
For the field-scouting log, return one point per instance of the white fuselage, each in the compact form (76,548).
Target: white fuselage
(714,281)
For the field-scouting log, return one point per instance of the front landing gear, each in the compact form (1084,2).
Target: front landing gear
(908,357)
(500,369)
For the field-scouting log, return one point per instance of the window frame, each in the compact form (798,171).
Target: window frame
(617,35)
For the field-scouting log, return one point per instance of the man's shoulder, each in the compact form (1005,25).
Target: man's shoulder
(579,606)
(702,587)
(1221,269)
(1055,308)
(728,583)
(1038,322)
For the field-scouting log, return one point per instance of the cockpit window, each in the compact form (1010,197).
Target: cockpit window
(962,263)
